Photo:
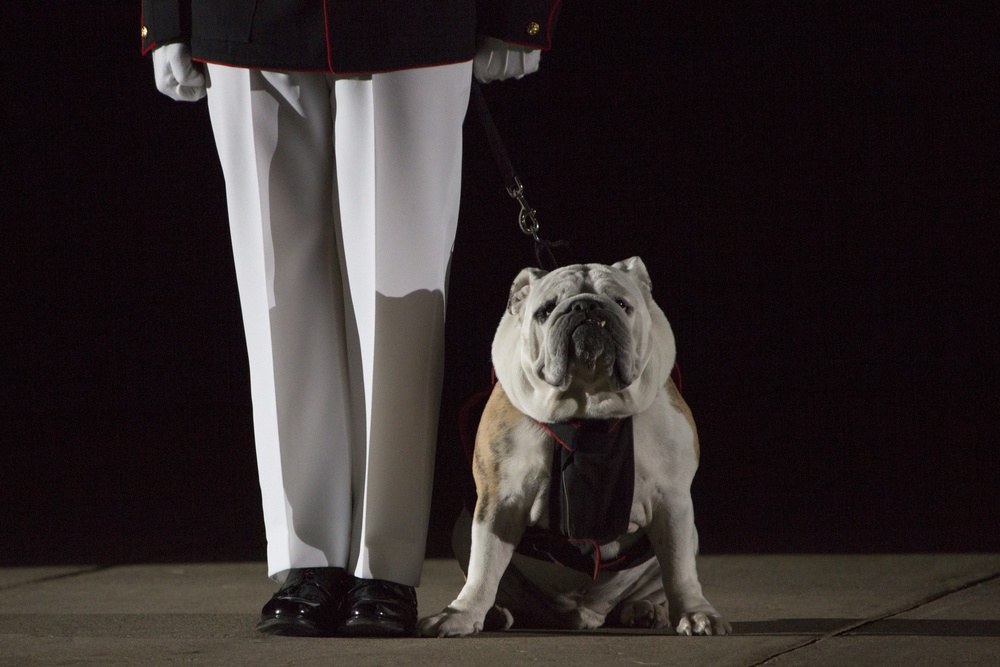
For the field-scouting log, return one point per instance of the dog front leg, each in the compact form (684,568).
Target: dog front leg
(494,536)
(675,541)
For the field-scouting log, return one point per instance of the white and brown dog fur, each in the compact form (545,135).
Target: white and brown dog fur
(583,341)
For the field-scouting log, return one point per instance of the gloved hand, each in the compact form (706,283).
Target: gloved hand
(497,60)
(177,76)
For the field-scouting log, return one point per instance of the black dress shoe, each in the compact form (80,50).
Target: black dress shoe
(377,608)
(308,604)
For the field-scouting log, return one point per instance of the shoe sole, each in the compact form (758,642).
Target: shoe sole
(290,627)
(368,628)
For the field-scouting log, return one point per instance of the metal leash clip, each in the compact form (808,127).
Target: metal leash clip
(526,218)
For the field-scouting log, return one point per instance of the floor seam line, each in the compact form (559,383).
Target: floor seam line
(934,597)
(840,632)
(56,577)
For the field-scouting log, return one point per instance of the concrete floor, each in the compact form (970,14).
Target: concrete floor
(785,610)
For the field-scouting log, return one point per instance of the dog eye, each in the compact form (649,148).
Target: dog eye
(624,305)
(543,313)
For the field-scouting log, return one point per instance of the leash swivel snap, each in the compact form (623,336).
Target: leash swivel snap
(527,218)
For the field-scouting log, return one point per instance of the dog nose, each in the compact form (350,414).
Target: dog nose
(591,311)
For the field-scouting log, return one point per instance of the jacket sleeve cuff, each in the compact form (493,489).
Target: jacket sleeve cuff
(163,22)
(523,22)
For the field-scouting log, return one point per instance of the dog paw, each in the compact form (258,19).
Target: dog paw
(642,614)
(699,623)
(450,623)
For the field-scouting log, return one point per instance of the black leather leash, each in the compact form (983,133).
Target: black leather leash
(527,218)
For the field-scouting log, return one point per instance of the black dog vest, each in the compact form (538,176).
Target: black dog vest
(590,497)
(593,478)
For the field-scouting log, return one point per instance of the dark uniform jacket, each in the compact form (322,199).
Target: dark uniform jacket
(343,36)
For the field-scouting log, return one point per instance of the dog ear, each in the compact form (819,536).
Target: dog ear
(635,267)
(521,287)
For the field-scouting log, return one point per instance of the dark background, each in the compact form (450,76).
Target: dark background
(814,187)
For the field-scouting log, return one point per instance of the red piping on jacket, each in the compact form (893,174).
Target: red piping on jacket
(548,28)
(326,33)
(143,49)
(323,71)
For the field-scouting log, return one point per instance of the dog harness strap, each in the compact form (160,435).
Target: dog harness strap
(581,555)
(593,479)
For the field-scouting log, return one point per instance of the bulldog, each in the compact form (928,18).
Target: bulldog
(583,464)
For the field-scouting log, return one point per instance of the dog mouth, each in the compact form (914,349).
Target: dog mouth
(592,346)
(588,342)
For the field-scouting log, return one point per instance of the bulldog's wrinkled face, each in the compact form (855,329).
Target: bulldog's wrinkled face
(577,340)
(580,323)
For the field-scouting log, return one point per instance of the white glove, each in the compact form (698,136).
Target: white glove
(497,60)
(176,75)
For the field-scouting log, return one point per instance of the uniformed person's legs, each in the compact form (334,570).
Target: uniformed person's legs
(343,305)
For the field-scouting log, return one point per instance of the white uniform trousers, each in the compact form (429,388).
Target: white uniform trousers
(343,200)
